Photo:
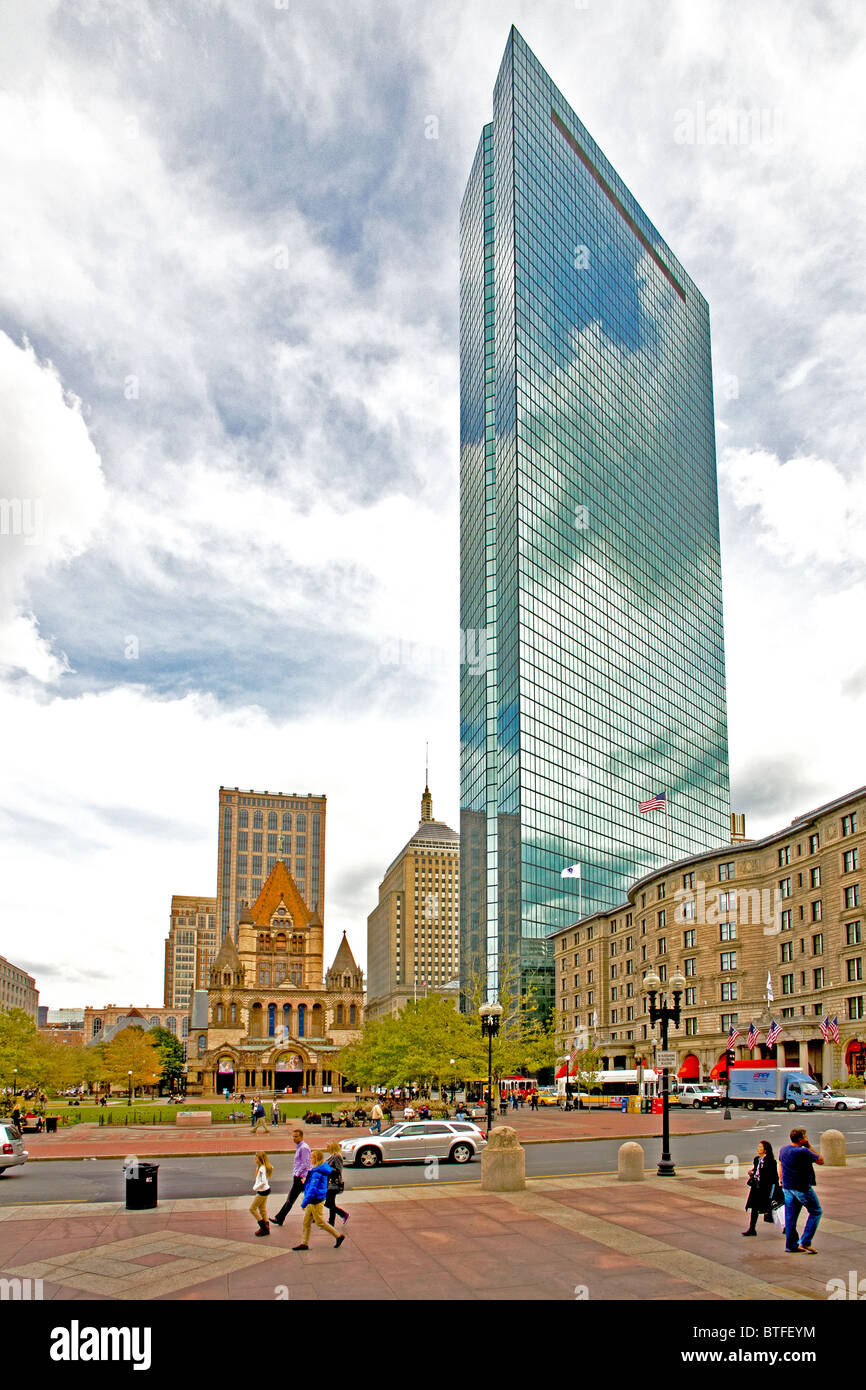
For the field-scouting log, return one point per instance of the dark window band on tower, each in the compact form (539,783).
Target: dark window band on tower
(618,204)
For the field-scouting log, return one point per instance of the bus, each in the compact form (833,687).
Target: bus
(608,1087)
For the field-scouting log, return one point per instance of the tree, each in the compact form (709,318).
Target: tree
(416,1046)
(588,1062)
(170,1048)
(133,1051)
(20,1061)
(527,1040)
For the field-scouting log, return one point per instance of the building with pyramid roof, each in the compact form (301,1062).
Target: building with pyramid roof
(272,1018)
(413,932)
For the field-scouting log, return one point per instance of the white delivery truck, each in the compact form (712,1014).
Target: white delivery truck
(763,1087)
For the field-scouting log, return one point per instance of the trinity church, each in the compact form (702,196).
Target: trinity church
(272,1019)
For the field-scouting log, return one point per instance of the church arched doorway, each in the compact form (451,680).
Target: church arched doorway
(289,1073)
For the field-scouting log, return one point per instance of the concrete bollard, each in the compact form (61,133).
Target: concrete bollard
(833,1148)
(503,1162)
(630,1163)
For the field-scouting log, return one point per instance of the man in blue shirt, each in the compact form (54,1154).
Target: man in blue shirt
(796,1163)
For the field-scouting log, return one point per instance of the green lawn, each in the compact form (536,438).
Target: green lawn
(117,1112)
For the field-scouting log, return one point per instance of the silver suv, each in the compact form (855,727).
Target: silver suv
(12,1150)
(415,1140)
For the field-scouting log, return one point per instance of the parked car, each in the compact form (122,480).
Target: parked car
(548,1095)
(415,1141)
(841,1100)
(12,1150)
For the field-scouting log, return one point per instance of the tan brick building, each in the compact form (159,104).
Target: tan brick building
(255,830)
(413,933)
(272,1019)
(190,948)
(788,907)
(18,989)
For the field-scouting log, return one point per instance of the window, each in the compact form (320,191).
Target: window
(589,954)
(818,944)
(853,935)
(854,968)
(690,966)
(785,855)
(817,910)
(629,943)
(690,937)
(785,887)
(691,1027)
(787,923)
(815,877)
(728,960)
(727,931)
(663,973)
(855,1006)
(688,880)
(662,948)
(818,978)
(663,888)
(663,918)
(691,995)
(787,951)
(814,842)
(729,1021)
(850,861)
(726,871)
(688,910)
(729,990)
(852,895)
(849,824)
(590,977)
(787,984)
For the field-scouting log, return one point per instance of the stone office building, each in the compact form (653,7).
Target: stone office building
(272,1019)
(784,910)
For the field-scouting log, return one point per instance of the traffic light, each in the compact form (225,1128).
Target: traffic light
(729,1057)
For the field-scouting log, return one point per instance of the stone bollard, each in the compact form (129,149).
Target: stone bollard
(630,1163)
(503,1162)
(833,1148)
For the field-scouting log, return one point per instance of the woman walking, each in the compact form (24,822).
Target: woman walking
(261,1188)
(763,1187)
(334,1160)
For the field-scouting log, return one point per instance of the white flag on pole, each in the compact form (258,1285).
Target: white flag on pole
(770,995)
(572,872)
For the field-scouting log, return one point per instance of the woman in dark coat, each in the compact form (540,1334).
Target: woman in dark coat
(763,1184)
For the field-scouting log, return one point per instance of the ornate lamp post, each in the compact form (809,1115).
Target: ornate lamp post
(14,1082)
(490,1016)
(665,1014)
(129,1088)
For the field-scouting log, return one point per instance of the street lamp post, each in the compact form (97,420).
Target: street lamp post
(14,1082)
(490,1016)
(129,1088)
(665,1014)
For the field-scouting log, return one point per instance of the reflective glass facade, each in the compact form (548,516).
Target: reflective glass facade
(591,600)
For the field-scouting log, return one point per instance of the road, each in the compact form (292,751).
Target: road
(101,1180)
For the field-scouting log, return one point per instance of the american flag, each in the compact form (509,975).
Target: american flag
(656,803)
(825,1028)
(834,1029)
(733,1034)
(753,1036)
(775,1030)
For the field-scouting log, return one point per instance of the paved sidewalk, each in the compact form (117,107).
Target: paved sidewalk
(547,1126)
(563,1238)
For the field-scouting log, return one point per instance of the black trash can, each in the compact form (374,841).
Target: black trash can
(51,1124)
(141,1186)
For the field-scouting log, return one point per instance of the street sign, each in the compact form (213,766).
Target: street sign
(666,1059)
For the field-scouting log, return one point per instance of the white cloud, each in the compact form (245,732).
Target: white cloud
(52,496)
(803,509)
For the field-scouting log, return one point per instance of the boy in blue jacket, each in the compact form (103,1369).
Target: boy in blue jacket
(315,1192)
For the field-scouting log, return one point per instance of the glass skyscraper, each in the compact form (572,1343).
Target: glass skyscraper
(592,673)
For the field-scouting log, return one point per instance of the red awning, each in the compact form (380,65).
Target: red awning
(560,1072)
(690,1069)
(720,1069)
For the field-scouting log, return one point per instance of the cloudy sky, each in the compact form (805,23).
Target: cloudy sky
(229,406)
